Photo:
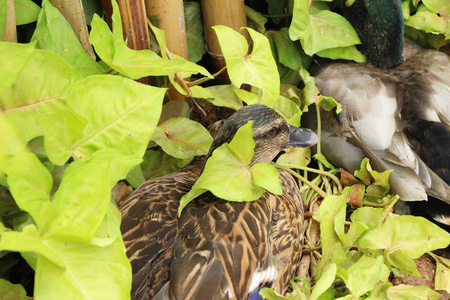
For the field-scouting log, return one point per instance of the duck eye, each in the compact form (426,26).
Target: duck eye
(272,130)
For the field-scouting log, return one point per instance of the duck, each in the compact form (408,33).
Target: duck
(395,110)
(217,249)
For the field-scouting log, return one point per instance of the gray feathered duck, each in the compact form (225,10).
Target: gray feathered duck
(217,249)
(396,109)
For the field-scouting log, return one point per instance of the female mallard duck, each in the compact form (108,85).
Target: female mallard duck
(217,249)
(396,109)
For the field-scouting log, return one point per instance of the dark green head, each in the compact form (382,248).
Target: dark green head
(379,24)
(270,132)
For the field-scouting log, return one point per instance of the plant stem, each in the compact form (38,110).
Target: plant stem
(321,172)
(278,16)
(312,249)
(205,79)
(305,181)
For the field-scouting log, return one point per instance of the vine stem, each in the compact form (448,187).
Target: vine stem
(321,172)
(205,79)
(312,249)
(317,189)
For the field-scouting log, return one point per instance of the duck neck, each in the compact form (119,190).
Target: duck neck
(380,26)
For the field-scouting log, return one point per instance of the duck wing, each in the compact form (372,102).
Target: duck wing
(149,227)
(372,120)
(425,92)
(228,250)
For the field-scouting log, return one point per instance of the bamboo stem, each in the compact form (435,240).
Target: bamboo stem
(170,15)
(135,29)
(230,13)
(10,30)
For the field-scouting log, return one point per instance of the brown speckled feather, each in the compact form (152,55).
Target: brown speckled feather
(224,250)
(149,228)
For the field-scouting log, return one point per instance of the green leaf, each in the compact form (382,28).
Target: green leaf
(269,294)
(120,163)
(370,216)
(406,292)
(28,240)
(112,49)
(320,30)
(10,142)
(364,172)
(186,67)
(158,163)
(39,86)
(295,157)
(364,275)
(3,8)
(183,138)
(440,7)
(323,285)
(248,97)
(289,54)
(429,21)
(442,277)
(267,177)
(227,173)
(349,53)
(380,185)
(81,201)
(355,231)
(126,123)
(70,270)
(255,20)
(289,110)
(11,291)
(331,215)
(12,61)
(55,34)
(26,11)
(30,183)
(405,238)
(174,109)
(242,145)
(219,95)
(355,194)
(257,68)
(62,129)
(321,158)
(312,95)
(194,31)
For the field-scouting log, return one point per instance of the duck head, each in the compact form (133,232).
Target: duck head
(270,132)
(379,24)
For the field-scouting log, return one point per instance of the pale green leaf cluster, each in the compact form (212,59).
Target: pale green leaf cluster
(94,130)
(431,16)
(229,175)
(362,253)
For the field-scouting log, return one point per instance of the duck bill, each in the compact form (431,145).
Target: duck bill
(301,137)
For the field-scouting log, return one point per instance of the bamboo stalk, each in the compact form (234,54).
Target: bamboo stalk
(170,14)
(10,30)
(171,19)
(230,13)
(73,12)
(135,29)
